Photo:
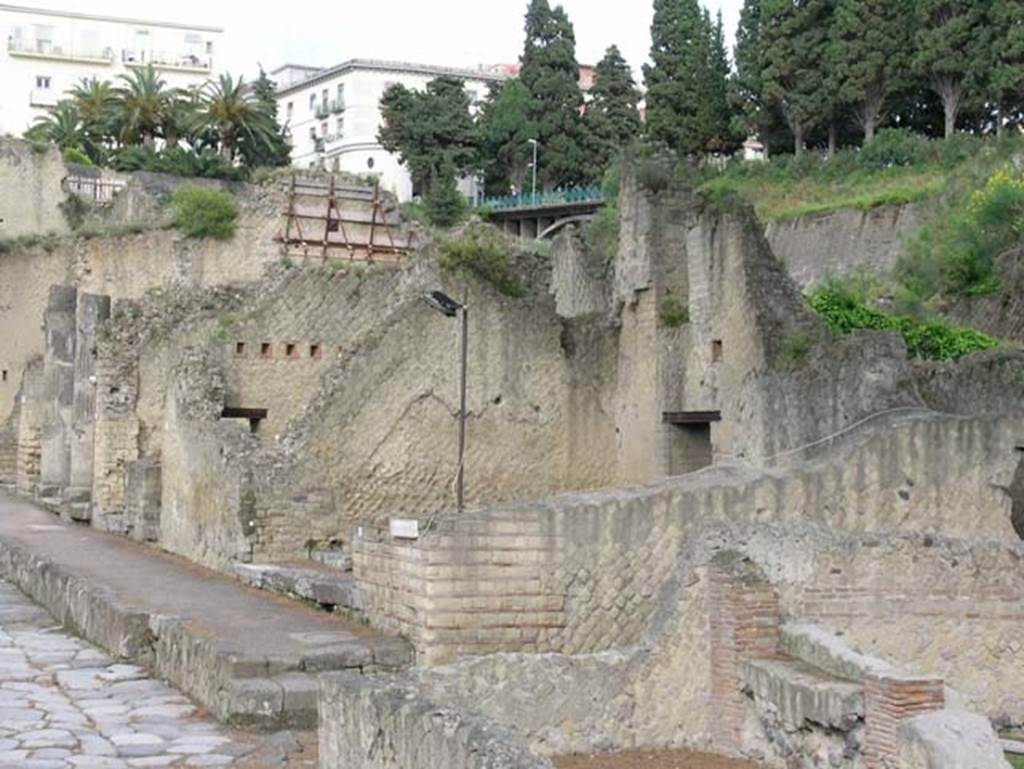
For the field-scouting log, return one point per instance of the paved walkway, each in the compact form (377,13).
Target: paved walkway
(264,650)
(64,704)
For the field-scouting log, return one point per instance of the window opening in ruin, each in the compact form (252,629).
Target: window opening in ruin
(689,440)
(266,350)
(254,416)
(716,350)
(314,351)
(290,350)
(239,348)
(3,375)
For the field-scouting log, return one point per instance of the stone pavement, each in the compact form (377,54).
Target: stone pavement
(66,705)
(251,658)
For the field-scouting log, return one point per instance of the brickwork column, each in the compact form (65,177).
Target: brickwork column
(888,701)
(745,620)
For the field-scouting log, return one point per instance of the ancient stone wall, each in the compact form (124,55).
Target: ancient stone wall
(581,573)
(30,189)
(839,242)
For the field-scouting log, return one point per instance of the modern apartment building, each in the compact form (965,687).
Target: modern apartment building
(333,114)
(48,51)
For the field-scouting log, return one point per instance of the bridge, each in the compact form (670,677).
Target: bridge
(544,214)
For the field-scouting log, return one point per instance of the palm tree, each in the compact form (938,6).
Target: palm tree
(231,110)
(94,100)
(140,107)
(62,126)
(179,116)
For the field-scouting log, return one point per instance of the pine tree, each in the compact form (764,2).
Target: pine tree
(550,72)
(1008,69)
(431,131)
(794,43)
(679,56)
(612,118)
(870,44)
(951,48)
(505,129)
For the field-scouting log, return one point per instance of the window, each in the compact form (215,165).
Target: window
(312,132)
(341,96)
(3,374)
(266,351)
(370,163)
(340,127)
(716,350)
(323,128)
(44,38)
(314,351)
(239,348)
(209,47)
(290,350)
(323,98)
(43,82)
(290,109)
(312,101)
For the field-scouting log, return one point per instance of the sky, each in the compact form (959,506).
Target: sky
(445,32)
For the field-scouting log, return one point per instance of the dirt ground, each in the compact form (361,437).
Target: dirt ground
(647,759)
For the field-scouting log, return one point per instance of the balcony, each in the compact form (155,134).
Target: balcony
(318,144)
(338,105)
(179,62)
(43,97)
(47,49)
(330,139)
(323,110)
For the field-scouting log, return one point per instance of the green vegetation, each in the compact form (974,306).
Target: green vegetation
(796,347)
(224,129)
(601,234)
(844,308)
(49,242)
(672,313)
(483,251)
(896,167)
(612,118)
(201,212)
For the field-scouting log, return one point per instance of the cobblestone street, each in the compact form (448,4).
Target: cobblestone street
(65,703)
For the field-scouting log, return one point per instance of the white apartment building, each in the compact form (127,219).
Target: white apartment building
(47,52)
(333,115)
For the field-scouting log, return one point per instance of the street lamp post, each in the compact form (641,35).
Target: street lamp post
(450,308)
(533,192)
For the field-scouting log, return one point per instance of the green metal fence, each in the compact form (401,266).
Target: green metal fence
(542,199)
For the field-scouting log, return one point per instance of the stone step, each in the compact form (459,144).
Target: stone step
(802,693)
(332,590)
(250,658)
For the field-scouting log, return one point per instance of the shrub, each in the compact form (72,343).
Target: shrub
(795,348)
(482,251)
(934,339)
(956,253)
(894,147)
(444,205)
(652,175)
(956,149)
(672,313)
(200,212)
(601,234)
(75,155)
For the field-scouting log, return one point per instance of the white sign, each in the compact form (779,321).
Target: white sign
(405,528)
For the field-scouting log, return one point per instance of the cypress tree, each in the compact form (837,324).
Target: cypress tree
(612,118)
(551,74)
(677,75)
(747,87)
(951,49)
(719,132)
(505,129)
(794,44)
(271,149)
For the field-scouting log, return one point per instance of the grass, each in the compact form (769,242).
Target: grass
(787,187)
(1016,761)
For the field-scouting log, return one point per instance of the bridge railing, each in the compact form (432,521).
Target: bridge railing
(542,199)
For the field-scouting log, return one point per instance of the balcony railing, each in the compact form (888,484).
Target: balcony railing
(338,105)
(165,60)
(47,49)
(323,110)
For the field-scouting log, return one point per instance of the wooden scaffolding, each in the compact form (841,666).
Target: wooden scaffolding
(329,220)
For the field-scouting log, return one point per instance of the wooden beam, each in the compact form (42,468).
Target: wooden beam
(690,417)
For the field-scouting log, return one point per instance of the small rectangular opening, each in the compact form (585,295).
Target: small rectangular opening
(314,351)
(266,350)
(3,375)
(290,350)
(239,348)
(716,350)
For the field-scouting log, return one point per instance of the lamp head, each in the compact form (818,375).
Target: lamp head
(443,303)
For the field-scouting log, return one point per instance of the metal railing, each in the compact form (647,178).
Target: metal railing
(49,48)
(555,198)
(93,188)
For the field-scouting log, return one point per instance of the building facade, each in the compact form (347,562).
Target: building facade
(333,115)
(48,52)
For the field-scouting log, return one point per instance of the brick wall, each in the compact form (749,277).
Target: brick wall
(744,624)
(888,702)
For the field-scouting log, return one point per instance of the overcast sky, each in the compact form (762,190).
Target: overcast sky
(450,32)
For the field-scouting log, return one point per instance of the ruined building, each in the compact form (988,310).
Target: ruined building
(695,518)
